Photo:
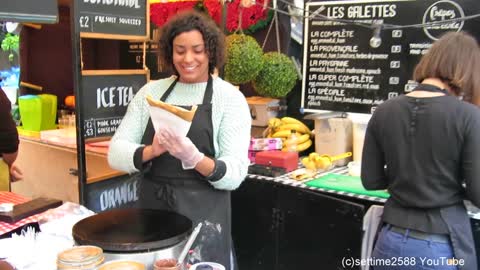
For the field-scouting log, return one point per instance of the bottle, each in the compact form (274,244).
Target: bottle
(292,141)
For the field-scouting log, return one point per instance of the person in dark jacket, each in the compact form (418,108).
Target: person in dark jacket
(8,137)
(424,147)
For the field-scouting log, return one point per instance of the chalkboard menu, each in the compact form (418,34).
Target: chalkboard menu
(346,70)
(131,56)
(105,96)
(113,19)
(29,11)
(117,192)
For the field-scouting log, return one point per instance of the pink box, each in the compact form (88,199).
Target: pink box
(265,144)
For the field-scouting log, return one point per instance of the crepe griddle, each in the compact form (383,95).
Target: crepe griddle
(132,230)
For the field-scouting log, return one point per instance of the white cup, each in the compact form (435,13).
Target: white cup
(354,168)
(215,266)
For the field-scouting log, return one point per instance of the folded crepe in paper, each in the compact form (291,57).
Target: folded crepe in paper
(177,119)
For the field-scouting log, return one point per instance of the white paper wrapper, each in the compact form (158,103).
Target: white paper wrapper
(162,118)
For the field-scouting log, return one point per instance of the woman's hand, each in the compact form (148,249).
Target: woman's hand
(15,173)
(154,150)
(180,147)
(157,147)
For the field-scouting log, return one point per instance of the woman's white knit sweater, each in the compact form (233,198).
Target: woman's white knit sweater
(230,118)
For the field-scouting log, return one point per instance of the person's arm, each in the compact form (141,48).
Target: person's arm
(471,159)
(205,166)
(8,138)
(152,151)
(373,160)
(15,173)
(231,123)
(126,153)
(182,148)
(233,137)
(9,158)
(8,131)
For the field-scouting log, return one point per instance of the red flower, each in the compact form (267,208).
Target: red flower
(161,12)
(250,16)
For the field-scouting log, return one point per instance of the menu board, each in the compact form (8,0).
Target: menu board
(105,96)
(346,70)
(117,192)
(29,11)
(131,56)
(113,19)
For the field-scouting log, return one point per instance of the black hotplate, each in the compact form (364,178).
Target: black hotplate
(132,230)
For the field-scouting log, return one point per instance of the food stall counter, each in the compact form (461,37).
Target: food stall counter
(50,168)
(297,225)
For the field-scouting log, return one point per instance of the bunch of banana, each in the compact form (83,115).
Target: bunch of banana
(299,144)
(273,124)
(282,128)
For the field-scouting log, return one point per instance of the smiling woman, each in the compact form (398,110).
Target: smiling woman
(196,37)
(201,168)
(190,58)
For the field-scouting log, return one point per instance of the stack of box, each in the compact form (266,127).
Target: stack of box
(333,136)
(262,109)
(263,144)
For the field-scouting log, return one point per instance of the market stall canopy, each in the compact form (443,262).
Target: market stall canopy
(29,11)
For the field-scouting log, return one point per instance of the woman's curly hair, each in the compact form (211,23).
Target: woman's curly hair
(187,21)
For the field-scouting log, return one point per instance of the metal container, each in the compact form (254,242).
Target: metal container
(80,258)
(142,235)
(148,257)
(122,265)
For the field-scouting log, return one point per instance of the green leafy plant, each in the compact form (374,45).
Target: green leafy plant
(244,58)
(278,76)
(10,44)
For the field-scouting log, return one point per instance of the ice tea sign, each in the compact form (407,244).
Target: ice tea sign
(105,97)
(356,56)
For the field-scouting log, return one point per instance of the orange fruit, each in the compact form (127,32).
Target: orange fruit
(70,101)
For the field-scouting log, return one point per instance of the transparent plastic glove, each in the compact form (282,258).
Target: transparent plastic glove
(158,147)
(181,147)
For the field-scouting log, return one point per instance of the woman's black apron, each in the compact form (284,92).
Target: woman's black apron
(168,186)
(456,217)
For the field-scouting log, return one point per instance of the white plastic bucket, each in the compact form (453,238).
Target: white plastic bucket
(359,130)
(360,122)
(11,92)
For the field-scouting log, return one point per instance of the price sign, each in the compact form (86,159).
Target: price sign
(113,19)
